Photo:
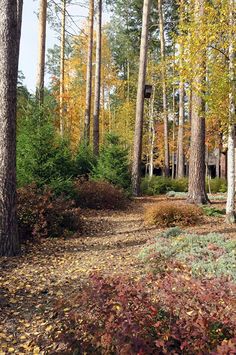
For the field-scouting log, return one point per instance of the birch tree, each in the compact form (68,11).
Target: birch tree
(10,20)
(41,51)
(230,206)
(136,168)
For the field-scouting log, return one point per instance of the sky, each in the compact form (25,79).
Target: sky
(29,40)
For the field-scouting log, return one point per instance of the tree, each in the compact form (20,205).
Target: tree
(41,51)
(197,190)
(10,20)
(62,68)
(230,206)
(136,173)
(164,89)
(89,74)
(97,89)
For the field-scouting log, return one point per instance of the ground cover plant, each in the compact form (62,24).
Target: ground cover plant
(210,255)
(170,213)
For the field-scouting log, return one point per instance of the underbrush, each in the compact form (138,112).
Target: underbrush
(168,214)
(211,255)
(100,195)
(169,315)
(158,185)
(42,214)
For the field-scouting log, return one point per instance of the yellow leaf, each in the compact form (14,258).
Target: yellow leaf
(11,350)
(49,328)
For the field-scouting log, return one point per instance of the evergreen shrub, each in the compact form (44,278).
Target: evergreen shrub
(112,164)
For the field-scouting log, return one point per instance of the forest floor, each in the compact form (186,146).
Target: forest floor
(46,272)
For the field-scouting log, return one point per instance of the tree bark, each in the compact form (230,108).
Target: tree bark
(62,69)
(164,90)
(180,168)
(151,135)
(97,93)
(41,51)
(89,74)
(230,205)
(136,168)
(9,54)
(197,190)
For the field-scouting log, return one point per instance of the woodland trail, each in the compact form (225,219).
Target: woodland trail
(31,284)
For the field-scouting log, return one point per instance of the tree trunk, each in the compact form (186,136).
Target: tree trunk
(41,51)
(19,23)
(164,89)
(62,69)
(197,190)
(97,93)
(230,206)
(89,74)
(9,54)
(180,168)
(136,168)
(151,135)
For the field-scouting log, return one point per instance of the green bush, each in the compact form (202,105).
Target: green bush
(156,185)
(216,185)
(179,185)
(211,255)
(85,161)
(112,165)
(212,211)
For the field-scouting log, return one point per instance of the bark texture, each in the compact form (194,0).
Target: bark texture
(180,159)
(164,89)
(197,190)
(62,69)
(230,206)
(97,93)
(9,54)
(136,173)
(89,74)
(41,51)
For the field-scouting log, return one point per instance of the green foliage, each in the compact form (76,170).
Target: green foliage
(217,185)
(212,211)
(171,232)
(42,156)
(85,160)
(158,185)
(112,164)
(211,255)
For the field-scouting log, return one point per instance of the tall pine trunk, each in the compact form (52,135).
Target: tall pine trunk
(41,51)
(164,90)
(138,135)
(62,69)
(230,206)
(197,189)
(97,85)
(151,135)
(89,74)
(10,19)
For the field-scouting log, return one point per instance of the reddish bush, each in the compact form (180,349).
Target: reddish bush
(41,214)
(170,214)
(174,315)
(100,195)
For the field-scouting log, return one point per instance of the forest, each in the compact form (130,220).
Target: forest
(117,179)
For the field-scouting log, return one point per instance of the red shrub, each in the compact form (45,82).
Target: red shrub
(41,214)
(100,195)
(173,315)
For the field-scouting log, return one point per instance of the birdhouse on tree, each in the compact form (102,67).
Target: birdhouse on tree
(148,91)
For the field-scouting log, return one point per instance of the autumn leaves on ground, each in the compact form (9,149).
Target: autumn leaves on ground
(38,289)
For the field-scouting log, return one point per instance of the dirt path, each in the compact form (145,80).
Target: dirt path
(31,284)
